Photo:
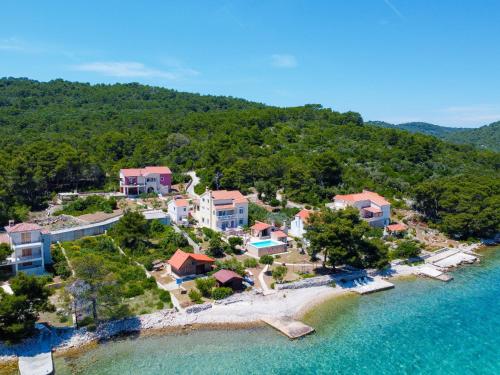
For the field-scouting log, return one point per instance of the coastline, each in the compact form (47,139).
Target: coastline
(244,313)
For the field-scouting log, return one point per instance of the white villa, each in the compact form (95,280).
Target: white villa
(178,210)
(30,248)
(373,208)
(297,226)
(136,181)
(221,210)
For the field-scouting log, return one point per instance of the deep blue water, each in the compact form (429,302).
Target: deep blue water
(420,327)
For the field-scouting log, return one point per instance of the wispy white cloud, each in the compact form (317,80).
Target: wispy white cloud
(394,9)
(476,114)
(283,61)
(132,69)
(13,44)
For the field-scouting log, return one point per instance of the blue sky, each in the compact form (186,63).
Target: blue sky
(392,60)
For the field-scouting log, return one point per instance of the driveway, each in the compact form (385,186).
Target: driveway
(195,181)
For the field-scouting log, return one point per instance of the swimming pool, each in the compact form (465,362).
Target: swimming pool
(266,247)
(265,243)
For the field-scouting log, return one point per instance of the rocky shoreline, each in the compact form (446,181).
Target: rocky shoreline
(294,299)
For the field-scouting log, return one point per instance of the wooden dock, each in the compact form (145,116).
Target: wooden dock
(291,328)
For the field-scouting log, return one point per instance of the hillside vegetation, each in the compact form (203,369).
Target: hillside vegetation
(61,135)
(485,137)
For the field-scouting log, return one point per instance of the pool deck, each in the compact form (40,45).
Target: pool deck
(291,328)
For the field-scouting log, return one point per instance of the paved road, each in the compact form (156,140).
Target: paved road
(265,289)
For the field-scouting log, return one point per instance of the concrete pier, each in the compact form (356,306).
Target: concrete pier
(433,273)
(40,364)
(293,329)
(376,285)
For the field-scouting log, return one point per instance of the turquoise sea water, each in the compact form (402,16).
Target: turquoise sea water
(420,327)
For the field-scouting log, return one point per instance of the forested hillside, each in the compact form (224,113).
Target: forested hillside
(485,137)
(60,135)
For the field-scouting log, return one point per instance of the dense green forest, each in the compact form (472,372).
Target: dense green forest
(485,137)
(60,135)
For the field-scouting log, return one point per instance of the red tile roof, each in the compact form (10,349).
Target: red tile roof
(229,194)
(223,276)
(134,172)
(397,227)
(279,234)
(181,202)
(22,227)
(260,226)
(304,214)
(364,196)
(180,257)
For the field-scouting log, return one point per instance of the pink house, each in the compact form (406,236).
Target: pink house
(135,181)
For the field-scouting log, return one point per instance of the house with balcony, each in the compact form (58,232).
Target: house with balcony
(30,248)
(178,210)
(221,210)
(373,208)
(136,181)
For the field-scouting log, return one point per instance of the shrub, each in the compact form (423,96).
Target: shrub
(133,290)
(149,283)
(266,259)
(407,249)
(250,262)
(205,286)
(209,232)
(160,305)
(279,273)
(231,264)
(235,241)
(195,296)
(221,293)
(164,296)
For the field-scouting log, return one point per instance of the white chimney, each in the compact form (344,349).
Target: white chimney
(11,223)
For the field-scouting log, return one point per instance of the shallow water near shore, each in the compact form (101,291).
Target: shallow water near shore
(420,327)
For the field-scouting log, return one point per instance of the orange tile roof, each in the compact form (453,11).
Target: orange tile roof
(180,257)
(22,227)
(304,214)
(228,194)
(260,226)
(181,202)
(365,195)
(397,227)
(134,172)
(279,234)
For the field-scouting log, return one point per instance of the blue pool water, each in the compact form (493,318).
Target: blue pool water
(266,243)
(420,327)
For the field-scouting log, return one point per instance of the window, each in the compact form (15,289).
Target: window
(241,221)
(27,253)
(241,210)
(25,237)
